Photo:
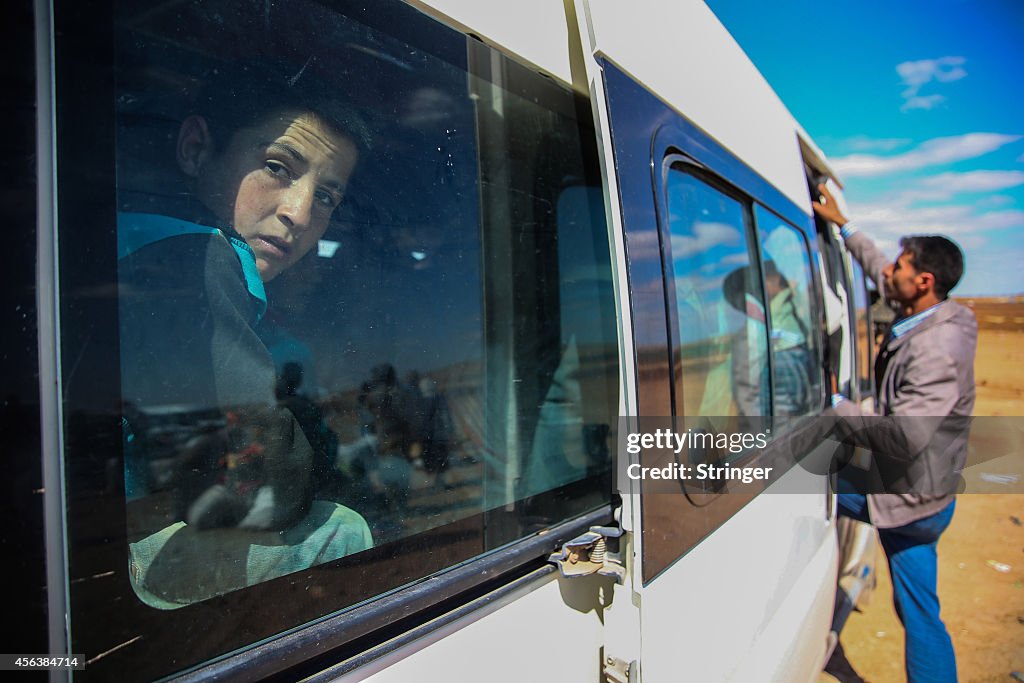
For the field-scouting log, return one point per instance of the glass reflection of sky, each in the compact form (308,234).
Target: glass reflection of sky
(707,233)
(781,243)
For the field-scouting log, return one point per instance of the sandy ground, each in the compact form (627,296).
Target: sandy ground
(982,604)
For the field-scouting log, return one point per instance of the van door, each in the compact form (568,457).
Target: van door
(731,579)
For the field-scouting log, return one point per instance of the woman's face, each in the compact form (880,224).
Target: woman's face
(277,184)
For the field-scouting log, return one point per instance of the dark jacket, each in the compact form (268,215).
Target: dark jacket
(189,304)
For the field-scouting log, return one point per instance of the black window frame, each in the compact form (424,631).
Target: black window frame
(716,505)
(644,131)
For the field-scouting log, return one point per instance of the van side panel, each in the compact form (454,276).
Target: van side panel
(679,50)
(749,603)
(535,31)
(550,631)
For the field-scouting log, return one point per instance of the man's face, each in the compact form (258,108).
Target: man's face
(277,184)
(903,282)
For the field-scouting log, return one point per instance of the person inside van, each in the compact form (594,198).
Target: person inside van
(264,162)
(789,345)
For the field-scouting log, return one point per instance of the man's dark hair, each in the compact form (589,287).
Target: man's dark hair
(937,255)
(233,98)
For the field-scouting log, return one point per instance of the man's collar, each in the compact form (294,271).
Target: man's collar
(905,325)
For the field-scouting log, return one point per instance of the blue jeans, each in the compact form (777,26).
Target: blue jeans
(913,565)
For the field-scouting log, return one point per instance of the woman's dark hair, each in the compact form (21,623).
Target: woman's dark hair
(241,96)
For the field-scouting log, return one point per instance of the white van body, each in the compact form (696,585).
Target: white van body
(752,602)
(730,589)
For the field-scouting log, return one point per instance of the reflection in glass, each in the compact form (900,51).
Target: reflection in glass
(719,304)
(862,307)
(365,293)
(787,276)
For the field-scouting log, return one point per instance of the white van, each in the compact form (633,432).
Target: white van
(539,235)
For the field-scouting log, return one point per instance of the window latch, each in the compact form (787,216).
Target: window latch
(589,553)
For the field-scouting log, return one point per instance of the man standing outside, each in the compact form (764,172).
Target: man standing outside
(924,369)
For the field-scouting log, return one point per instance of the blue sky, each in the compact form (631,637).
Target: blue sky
(919,107)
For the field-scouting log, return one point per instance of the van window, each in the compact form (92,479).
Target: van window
(788,285)
(359,302)
(722,321)
(864,337)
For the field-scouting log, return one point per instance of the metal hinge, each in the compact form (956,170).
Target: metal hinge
(619,670)
(589,554)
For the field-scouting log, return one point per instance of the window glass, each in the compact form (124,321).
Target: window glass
(862,306)
(835,292)
(364,294)
(788,285)
(722,323)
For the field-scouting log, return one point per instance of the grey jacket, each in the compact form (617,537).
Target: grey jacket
(925,397)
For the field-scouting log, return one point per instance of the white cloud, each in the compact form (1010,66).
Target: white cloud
(738,259)
(975,181)
(917,74)
(945,186)
(862,143)
(981,225)
(643,246)
(980,209)
(923,102)
(996,220)
(994,201)
(887,222)
(929,153)
(706,236)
